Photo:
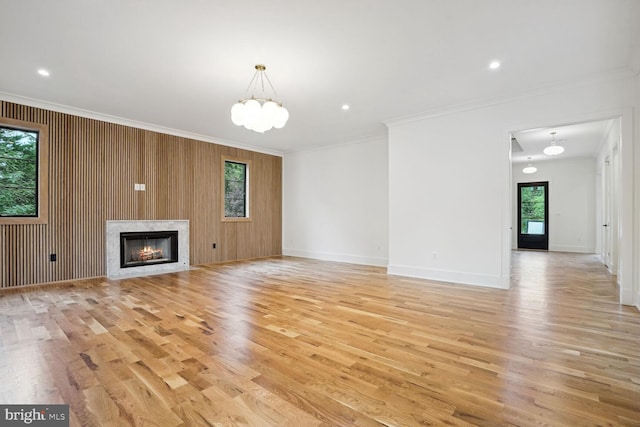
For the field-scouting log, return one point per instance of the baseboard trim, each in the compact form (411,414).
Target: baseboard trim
(329,256)
(457,277)
(573,249)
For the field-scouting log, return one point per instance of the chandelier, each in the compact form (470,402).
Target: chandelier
(259,114)
(529,168)
(554,149)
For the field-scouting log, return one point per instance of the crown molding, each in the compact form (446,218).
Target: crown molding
(618,74)
(379,135)
(59,108)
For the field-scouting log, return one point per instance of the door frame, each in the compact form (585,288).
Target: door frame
(534,241)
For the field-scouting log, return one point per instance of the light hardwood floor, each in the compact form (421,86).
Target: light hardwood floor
(293,342)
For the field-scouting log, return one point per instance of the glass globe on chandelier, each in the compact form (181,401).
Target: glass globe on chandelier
(554,149)
(259,114)
(529,168)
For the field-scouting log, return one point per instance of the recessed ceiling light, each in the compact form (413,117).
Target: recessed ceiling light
(43,72)
(345,107)
(494,65)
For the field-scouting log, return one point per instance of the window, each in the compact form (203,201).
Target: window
(236,190)
(23,172)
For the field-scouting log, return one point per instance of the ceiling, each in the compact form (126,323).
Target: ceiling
(180,65)
(578,140)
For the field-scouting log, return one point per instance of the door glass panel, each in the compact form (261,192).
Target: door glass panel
(532,210)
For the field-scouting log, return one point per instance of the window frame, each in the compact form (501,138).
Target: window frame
(42,185)
(247,216)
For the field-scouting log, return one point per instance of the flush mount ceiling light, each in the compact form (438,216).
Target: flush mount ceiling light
(529,168)
(554,149)
(261,113)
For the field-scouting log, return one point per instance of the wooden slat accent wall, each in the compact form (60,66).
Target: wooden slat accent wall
(93,166)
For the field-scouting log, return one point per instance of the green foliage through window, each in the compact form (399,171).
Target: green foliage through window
(235,189)
(532,207)
(18,172)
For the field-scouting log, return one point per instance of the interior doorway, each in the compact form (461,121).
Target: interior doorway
(602,225)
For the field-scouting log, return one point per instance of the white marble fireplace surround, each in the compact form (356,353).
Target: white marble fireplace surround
(114,228)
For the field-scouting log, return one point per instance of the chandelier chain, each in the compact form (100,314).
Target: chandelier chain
(258,78)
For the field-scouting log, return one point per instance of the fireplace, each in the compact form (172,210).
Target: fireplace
(148,247)
(162,246)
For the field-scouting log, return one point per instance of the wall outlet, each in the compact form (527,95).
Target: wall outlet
(143,187)
(213,246)
(53,257)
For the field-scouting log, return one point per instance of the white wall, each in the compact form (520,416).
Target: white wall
(445,180)
(450,184)
(335,203)
(572,206)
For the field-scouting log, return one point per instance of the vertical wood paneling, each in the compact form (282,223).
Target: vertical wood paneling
(262,235)
(276,208)
(93,167)
(229,241)
(206,200)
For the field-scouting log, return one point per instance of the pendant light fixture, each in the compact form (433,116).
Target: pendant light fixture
(259,113)
(554,149)
(529,168)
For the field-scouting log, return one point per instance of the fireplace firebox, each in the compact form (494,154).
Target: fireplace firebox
(148,247)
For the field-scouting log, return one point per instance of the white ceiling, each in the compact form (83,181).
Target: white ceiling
(578,140)
(182,64)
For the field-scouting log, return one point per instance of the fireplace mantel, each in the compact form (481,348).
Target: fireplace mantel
(113,230)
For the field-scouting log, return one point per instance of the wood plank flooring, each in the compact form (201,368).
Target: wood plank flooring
(294,342)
